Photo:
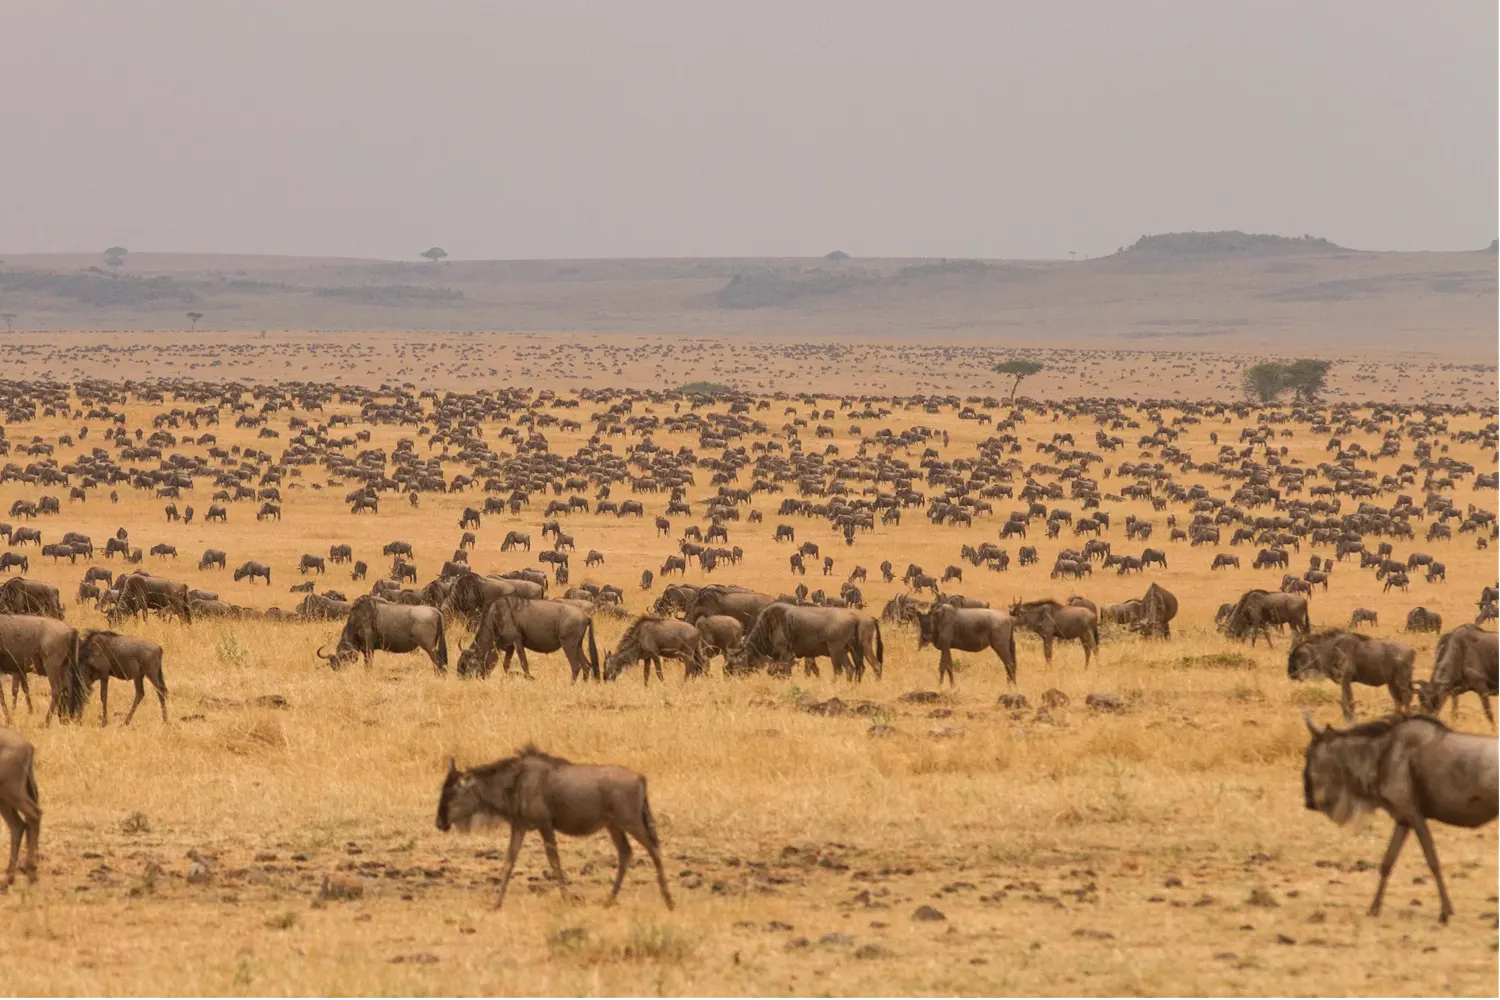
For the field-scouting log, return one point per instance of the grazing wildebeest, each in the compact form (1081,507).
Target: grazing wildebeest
(516,624)
(1158,608)
(216,512)
(252,570)
(1151,557)
(34,644)
(141,594)
(360,571)
(268,510)
(391,628)
(19,802)
(10,560)
(720,634)
(968,630)
(535,791)
(311,562)
(469,518)
(211,558)
(594,558)
(1363,615)
(21,536)
(677,563)
(340,553)
(306,587)
(1257,610)
(1466,659)
(783,633)
(402,571)
(163,549)
(1419,619)
(1348,658)
(396,549)
(102,655)
(19,596)
(514,540)
(648,640)
(1224,560)
(1413,767)
(1052,621)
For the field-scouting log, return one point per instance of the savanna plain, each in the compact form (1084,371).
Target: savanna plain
(922,840)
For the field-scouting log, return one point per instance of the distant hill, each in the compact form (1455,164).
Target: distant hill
(1225,288)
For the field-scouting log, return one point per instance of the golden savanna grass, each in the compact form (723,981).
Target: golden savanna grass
(1161,850)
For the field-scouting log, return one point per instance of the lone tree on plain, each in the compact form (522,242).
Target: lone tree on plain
(193,318)
(434,254)
(1018,368)
(115,257)
(9,318)
(1307,378)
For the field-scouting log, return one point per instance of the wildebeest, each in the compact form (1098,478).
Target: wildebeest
(469,518)
(1416,769)
(968,630)
(1224,560)
(390,628)
(648,640)
(20,596)
(268,510)
(720,634)
(216,512)
(783,633)
(34,644)
(19,801)
(1052,621)
(360,571)
(647,578)
(471,594)
(516,624)
(1419,619)
(252,570)
(141,594)
(211,558)
(1466,659)
(516,539)
(1363,615)
(736,602)
(536,791)
(1257,610)
(1348,658)
(396,549)
(309,563)
(163,549)
(102,655)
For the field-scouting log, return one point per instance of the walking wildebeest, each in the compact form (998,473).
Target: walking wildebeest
(103,655)
(516,539)
(515,624)
(969,630)
(19,802)
(391,628)
(536,791)
(33,644)
(648,640)
(1348,658)
(1416,769)
(1257,610)
(1466,659)
(1419,619)
(783,633)
(1052,621)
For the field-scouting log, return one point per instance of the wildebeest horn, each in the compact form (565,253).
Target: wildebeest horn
(452,765)
(1308,720)
(323,656)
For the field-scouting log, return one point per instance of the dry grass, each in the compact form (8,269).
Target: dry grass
(1162,850)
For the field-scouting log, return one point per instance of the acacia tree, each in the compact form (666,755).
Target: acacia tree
(9,318)
(1018,368)
(1263,382)
(193,318)
(115,257)
(434,254)
(1307,378)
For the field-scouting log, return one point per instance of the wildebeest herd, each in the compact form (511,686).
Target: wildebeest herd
(843,474)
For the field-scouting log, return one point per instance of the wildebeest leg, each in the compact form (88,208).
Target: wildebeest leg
(511,853)
(622,847)
(140,696)
(549,841)
(161,694)
(643,829)
(1346,700)
(1392,852)
(12,820)
(810,667)
(104,702)
(1010,668)
(945,666)
(1429,849)
(656,660)
(520,649)
(1484,700)
(4,707)
(1047,649)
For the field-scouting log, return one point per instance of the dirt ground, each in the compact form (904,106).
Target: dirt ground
(276,835)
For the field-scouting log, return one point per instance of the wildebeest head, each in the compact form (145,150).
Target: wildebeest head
(1303,660)
(342,653)
(924,629)
(1328,779)
(474,661)
(459,804)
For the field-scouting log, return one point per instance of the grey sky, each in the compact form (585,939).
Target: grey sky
(576,129)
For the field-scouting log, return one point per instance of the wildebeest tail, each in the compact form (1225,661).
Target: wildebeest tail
(1011,642)
(75,692)
(593,652)
(442,645)
(879,646)
(647,820)
(31,782)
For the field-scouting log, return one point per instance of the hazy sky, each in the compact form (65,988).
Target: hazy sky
(584,129)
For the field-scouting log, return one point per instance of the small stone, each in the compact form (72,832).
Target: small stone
(1014,702)
(1283,939)
(872,951)
(569,936)
(1053,698)
(1172,882)
(337,887)
(198,874)
(920,697)
(836,939)
(1262,897)
(1105,702)
(928,913)
(880,731)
